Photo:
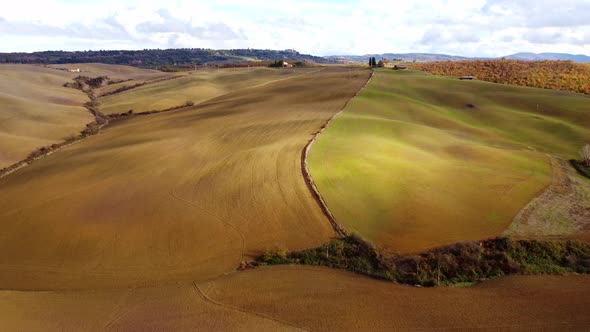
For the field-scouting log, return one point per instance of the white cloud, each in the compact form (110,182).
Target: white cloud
(472,28)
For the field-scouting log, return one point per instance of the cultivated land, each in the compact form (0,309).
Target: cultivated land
(304,298)
(142,226)
(35,110)
(418,161)
(196,87)
(183,195)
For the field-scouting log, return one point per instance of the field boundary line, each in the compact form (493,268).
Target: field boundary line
(307,174)
(207,299)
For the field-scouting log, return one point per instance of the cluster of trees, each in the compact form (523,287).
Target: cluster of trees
(372,62)
(156,58)
(557,75)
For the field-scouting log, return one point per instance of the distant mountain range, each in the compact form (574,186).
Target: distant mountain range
(428,57)
(549,56)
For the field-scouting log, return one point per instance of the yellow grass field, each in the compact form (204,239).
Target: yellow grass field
(417,161)
(290,298)
(35,110)
(195,86)
(183,195)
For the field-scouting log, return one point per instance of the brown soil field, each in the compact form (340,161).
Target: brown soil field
(176,196)
(168,308)
(35,110)
(306,298)
(323,299)
(192,86)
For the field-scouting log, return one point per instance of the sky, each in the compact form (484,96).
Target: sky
(487,28)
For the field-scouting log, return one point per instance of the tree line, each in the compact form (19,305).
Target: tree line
(156,58)
(557,75)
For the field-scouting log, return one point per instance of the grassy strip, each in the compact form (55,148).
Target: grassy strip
(137,85)
(581,167)
(459,264)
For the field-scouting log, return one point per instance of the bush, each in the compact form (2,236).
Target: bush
(459,263)
(581,168)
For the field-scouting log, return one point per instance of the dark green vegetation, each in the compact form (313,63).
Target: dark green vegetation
(457,264)
(350,253)
(158,58)
(581,167)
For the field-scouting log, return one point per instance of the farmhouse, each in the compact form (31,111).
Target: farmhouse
(466,77)
(77,70)
(287,65)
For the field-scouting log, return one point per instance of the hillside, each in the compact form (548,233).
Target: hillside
(556,75)
(418,161)
(184,195)
(156,58)
(527,56)
(418,57)
(36,110)
(431,57)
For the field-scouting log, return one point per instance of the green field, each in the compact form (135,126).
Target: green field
(417,161)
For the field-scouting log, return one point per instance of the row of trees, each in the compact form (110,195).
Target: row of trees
(557,75)
(155,58)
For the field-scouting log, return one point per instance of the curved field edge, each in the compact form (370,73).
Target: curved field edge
(456,264)
(281,298)
(307,175)
(418,161)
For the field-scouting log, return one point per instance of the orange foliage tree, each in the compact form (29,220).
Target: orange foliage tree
(557,75)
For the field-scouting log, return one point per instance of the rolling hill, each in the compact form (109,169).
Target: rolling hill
(175,196)
(418,161)
(36,110)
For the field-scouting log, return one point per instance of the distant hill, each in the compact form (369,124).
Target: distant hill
(548,56)
(419,57)
(431,57)
(157,58)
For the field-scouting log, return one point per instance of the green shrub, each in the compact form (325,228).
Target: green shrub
(459,263)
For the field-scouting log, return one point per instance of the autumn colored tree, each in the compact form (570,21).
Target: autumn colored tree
(557,75)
